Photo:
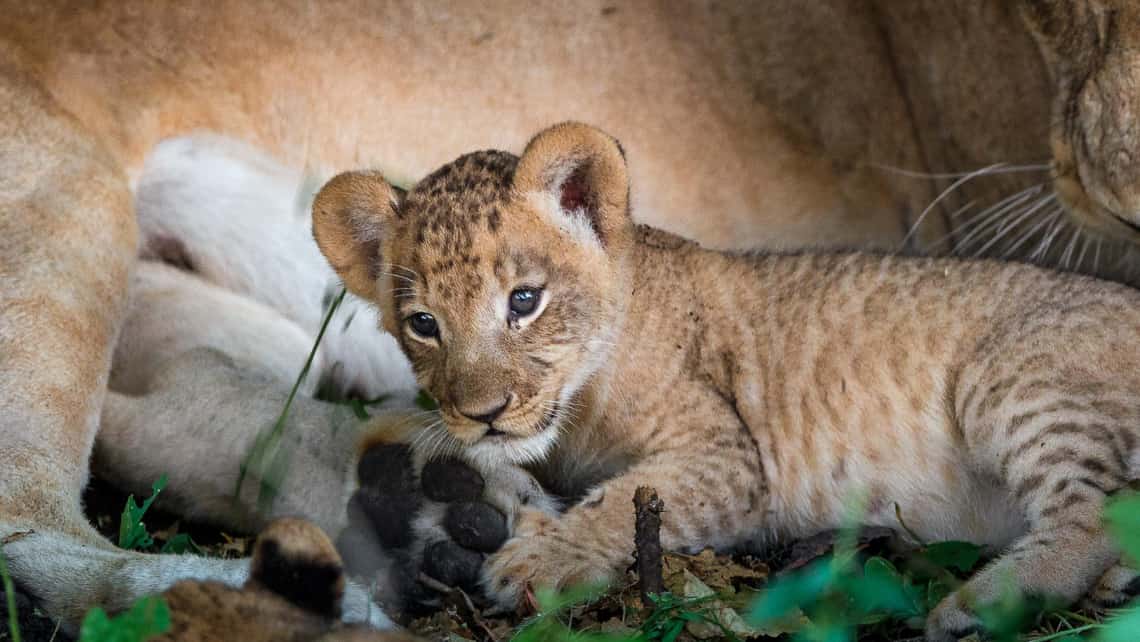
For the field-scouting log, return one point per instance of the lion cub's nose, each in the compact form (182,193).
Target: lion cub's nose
(486,416)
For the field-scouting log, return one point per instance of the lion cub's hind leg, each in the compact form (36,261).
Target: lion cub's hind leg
(1063,437)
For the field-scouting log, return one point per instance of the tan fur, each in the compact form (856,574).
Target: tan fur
(760,395)
(772,117)
(89,90)
(202,611)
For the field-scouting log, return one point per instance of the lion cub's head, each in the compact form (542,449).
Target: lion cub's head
(1092,48)
(503,278)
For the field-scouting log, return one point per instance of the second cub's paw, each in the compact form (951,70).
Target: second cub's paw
(542,556)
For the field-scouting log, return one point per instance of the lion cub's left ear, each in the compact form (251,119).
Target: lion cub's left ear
(578,175)
(351,215)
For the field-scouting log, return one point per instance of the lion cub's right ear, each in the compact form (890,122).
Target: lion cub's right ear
(351,215)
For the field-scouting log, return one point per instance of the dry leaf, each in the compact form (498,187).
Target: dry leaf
(718,572)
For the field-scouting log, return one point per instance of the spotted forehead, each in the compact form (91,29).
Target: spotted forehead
(449,206)
(447,211)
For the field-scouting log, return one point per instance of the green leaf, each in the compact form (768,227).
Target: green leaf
(1010,614)
(1122,628)
(132,532)
(181,543)
(147,618)
(792,592)
(425,401)
(883,588)
(360,406)
(551,601)
(962,556)
(1123,517)
(358,409)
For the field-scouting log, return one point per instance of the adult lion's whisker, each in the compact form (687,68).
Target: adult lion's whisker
(1081,257)
(974,218)
(997,218)
(938,199)
(1056,224)
(1001,233)
(1032,230)
(996,169)
(1068,254)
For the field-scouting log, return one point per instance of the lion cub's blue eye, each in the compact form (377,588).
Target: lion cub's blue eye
(524,301)
(424,325)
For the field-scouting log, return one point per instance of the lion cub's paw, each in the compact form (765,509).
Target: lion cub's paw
(952,620)
(542,556)
(1118,586)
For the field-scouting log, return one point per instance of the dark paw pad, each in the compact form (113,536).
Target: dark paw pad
(452,564)
(388,498)
(450,480)
(387,515)
(388,468)
(476,525)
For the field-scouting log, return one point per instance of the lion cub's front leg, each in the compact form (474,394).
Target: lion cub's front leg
(712,493)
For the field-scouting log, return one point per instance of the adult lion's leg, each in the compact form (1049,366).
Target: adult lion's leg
(67,245)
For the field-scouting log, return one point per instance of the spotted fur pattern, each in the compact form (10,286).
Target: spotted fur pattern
(761,395)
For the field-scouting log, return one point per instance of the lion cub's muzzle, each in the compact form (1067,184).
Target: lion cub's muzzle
(497,425)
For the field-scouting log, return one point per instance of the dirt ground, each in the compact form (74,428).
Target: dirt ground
(719,585)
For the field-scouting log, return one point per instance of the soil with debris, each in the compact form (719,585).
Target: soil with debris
(722,585)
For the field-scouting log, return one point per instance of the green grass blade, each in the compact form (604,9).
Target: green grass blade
(10,595)
(257,454)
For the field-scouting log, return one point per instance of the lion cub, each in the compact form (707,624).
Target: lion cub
(991,402)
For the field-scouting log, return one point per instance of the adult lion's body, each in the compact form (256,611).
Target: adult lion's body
(751,125)
(770,116)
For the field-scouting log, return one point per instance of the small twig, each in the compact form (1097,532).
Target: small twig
(647,542)
(459,603)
